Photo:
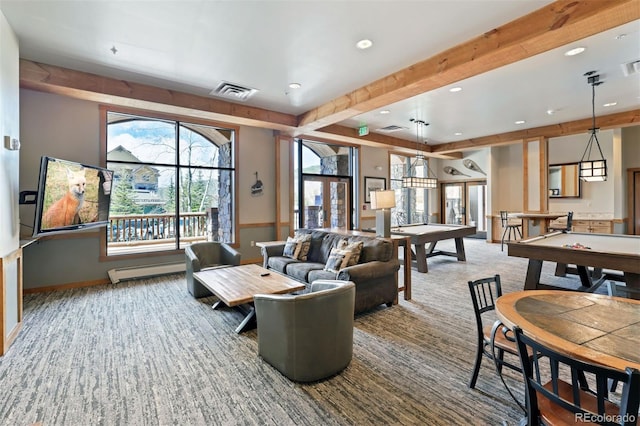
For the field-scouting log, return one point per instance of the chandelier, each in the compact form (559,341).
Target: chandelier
(411,180)
(593,170)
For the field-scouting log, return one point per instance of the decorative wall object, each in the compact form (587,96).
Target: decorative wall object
(373,184)
(453,171)
(256,188)
(472,165)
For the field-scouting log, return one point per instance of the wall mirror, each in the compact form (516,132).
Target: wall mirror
(564,181)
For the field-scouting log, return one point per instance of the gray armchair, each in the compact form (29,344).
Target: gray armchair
(201,256)
(307,337)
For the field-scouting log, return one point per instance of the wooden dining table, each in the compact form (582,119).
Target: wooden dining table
(591,327)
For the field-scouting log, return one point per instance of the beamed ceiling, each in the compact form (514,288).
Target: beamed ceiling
(514,65)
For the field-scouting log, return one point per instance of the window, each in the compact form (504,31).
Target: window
(411,203)
(173,183)
(324,188)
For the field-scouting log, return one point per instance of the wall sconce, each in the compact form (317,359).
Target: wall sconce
(383,202)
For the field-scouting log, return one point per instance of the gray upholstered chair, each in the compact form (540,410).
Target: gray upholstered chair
(200,256)
(307,337)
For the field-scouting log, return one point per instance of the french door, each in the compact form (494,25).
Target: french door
(465,203)
(326,202)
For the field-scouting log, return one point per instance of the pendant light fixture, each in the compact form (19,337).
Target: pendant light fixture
(593,170)
(411,180)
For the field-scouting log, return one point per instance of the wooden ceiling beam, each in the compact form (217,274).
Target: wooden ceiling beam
(552,26)
(337,133)
(82,85)
(622,119)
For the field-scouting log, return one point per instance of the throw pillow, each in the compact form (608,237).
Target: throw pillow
(337,260)
(305,245)
(355,248)
(292,248)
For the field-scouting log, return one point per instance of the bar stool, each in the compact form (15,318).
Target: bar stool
(566,227)
(510,226)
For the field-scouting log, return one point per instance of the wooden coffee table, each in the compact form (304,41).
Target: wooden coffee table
(235,287)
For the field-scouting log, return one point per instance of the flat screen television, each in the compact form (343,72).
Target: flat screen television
(71,196)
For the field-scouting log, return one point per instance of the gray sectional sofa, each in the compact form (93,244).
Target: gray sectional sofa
(375,274)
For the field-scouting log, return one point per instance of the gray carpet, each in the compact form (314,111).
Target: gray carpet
(144,352)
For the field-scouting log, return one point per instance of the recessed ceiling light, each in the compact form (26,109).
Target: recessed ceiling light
(550,111)
(295,85)
(620,36)
(458,133)
(610,104)
(364,44)
(455,89)
(385,111)
(575,51)
(520,122)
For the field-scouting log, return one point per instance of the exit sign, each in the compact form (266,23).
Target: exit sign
(363,130)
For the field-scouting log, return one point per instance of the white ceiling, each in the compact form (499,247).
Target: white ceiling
(192,46)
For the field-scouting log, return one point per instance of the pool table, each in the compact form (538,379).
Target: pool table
(421,234)
(611,251)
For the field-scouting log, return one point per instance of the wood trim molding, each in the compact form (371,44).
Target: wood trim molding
(256,225)
(68,286)
(631,216)
(622,119)
(277,147)
(82,85)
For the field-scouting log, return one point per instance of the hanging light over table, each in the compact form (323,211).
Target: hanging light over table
(425,182)
(593,170)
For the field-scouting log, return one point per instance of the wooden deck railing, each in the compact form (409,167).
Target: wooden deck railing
(146,227)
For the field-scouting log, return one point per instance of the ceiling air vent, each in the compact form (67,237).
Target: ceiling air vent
(233,91)
(392,128)
(631,68)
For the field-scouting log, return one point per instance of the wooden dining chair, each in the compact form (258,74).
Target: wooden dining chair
(621,290)
(554,394)
(512,228)
(484,293)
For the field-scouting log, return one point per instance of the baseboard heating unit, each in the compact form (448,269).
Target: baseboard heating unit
(119,274)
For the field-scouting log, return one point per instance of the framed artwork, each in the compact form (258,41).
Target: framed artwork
(373,184)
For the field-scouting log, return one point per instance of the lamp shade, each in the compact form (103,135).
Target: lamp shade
(593,171)
(383,199)
(419,182)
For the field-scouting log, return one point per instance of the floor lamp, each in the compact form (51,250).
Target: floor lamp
(383,202)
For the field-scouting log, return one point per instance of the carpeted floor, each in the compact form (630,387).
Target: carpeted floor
(144,352)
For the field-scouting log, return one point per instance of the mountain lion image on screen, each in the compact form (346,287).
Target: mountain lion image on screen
(64,212)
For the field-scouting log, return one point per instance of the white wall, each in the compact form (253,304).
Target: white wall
(370,160)
(9,172)
(257,154)
(68,128)
(54,126)
(480,157)
(597,197)
(630,148)
(507,178)
(9,126)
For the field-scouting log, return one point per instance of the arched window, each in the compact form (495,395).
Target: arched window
(173,183)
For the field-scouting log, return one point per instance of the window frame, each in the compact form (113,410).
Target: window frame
(151,114)
(407,193)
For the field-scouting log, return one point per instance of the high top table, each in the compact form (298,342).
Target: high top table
(543,218)
(591,327)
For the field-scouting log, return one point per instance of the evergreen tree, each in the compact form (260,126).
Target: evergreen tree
(122,200)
